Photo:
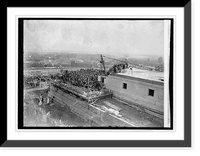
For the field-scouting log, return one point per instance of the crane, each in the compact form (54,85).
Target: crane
(103,62)
(124,61)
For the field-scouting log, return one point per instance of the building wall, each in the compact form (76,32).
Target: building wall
(137,92)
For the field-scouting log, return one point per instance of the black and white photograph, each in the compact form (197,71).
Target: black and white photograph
(98,77)
(96,72)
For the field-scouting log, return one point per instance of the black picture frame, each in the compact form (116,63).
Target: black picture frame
(21,73)
(121,143)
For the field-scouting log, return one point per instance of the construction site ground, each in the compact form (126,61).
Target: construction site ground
(50,115)
(45,115)
(136,116)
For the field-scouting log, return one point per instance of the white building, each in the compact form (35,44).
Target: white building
(139,87)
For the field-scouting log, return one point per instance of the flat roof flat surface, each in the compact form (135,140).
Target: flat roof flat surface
(135,116)
(143,74)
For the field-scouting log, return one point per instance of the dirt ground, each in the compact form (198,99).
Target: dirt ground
(53,115)
(46,115)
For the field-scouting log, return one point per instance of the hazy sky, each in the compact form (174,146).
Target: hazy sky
(115,37)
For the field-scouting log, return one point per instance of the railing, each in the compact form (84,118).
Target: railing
(82,92)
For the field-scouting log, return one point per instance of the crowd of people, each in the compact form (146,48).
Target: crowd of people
(87,78)
(34,81)
(117,68)
(83,78)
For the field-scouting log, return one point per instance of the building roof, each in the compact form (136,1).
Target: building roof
(146,75)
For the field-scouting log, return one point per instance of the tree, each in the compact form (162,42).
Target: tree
(160,60)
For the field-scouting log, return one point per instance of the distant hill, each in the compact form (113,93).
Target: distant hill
(65,58)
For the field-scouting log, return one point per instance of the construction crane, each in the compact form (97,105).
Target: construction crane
(103,62)
(124,61)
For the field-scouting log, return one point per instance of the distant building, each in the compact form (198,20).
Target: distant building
(159,68)
(150,68)
(48,65)
(80,64)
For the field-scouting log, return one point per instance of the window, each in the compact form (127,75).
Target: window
(124,85)
(102,79)
(151,92)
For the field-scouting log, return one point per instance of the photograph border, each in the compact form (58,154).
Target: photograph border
(21,39)
(122,143)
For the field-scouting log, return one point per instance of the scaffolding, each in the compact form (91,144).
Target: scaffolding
(89,95)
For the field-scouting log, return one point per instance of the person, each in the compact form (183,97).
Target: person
(52,99)
(47,100)
(40,102)
(41,99)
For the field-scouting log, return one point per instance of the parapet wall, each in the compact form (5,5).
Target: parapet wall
(86,111)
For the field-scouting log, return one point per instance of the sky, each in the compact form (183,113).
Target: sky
(123,38)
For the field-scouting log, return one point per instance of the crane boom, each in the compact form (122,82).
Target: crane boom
(125,61)
(103,64)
